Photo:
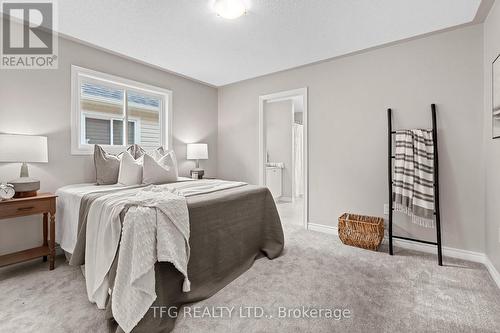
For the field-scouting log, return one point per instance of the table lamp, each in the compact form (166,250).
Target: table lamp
(23,149)
(197,151)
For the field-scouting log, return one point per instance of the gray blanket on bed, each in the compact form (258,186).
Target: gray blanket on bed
(229,230)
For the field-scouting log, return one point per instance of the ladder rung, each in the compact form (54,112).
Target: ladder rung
(395,210)
(415,240)
(433,184)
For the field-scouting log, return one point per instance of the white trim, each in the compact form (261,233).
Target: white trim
(79,73)
(495,275)
(449,252)
(293,152)
(279,99)
(120,81)
(125,116)
(327,229)
(283,95)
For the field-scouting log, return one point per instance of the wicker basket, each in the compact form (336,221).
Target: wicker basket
(365,232)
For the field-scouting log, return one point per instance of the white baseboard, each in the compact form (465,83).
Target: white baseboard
(284,199)
(427,248)
(322,228)
(447,251)
(451,252)
(493,271)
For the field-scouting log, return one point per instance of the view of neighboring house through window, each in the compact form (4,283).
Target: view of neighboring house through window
(104,114)
(104,107)
(145,111)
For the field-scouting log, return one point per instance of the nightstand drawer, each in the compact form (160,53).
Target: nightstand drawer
(21,208)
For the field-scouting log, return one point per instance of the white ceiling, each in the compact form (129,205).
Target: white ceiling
(186,37)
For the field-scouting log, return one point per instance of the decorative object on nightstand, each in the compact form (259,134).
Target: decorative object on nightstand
(24,148)
(43,203)
(6,191)
(197,151)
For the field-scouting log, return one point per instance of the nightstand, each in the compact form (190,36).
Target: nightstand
(43,203)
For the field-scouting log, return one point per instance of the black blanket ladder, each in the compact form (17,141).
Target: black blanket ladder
(437,215)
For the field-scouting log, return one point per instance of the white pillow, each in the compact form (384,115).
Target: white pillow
(162,170)
(174,159)
(130,170)
(157,153)
(160,152)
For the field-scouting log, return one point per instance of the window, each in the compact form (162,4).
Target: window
(101,106)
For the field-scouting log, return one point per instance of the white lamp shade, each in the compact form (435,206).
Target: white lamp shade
(197,151)
(23,148)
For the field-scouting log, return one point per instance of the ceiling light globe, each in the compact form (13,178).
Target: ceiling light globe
(229,9)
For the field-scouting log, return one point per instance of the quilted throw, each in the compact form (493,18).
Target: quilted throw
(413,188)
(155,228)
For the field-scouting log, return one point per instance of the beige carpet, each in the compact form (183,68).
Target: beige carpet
(404,293)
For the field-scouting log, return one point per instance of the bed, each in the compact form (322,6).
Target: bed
(229,229)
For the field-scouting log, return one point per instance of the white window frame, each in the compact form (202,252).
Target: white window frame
(79,75)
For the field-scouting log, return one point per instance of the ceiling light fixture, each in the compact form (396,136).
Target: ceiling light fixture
(229,9)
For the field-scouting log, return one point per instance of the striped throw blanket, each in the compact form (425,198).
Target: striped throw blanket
(413,188)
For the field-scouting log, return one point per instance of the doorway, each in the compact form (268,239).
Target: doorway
(283,152)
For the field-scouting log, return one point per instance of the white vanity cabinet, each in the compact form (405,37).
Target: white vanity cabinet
(274,181)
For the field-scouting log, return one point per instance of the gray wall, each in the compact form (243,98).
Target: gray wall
(38,102)
(347,147)
(278,116)
(491,147)
(348,98)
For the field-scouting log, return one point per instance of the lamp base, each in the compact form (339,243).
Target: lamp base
(197,173)
(25,187)
(25,194)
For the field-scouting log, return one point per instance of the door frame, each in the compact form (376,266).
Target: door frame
(285,95)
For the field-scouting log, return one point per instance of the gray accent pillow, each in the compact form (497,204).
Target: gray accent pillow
(136,151)
(107,166)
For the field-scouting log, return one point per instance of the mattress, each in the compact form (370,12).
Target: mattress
(68,209)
